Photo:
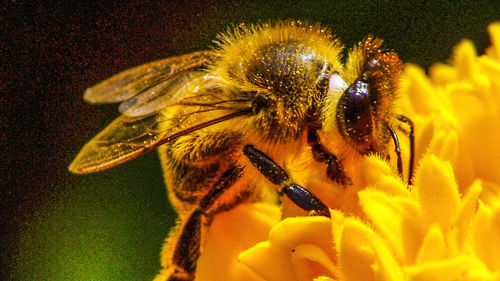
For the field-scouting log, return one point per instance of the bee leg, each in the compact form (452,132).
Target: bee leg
(187,249)
(273,172)
(397,149)
(411,135)
(334,170)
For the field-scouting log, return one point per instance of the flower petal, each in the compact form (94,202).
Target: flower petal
(355,252)
(459,268)
(419,90)
(486,235)
(229,234)
(397,219)
(370,169)
(433,247)
(442,74)
(313,261)
(465,60)
(494,31)
(324,278)
(437,192)
(364,255)
(445,145)
(387,266)
(269,262)
(299,248)
(465,215)
(490,193)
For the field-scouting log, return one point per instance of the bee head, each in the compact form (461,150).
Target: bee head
(366,104)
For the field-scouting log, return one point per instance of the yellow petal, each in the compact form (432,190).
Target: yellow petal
(424,136)
(434,247)
(298,248)
(465,215)
(459,268)
(490,193)
(397,219)
(442,74)
(387,268)
(268,262)
(465,60)
(494,31)
(230,233)
(468,106)
(299,230)
(323,278)
(364,256)
(482,139)
(445,145)
(370,169)
(376,171)
(437,192)
(419,90)
(337,219)
(486,235)
(490,66)
(310,261)
(392,185)
(356,256)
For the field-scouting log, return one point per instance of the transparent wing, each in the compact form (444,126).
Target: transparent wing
(125,138)
(129,83)
(187,103)
(167,93)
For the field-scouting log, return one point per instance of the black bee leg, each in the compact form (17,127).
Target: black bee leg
(273,172)
(187,249)
(334,169)
(397,149)
(411,135)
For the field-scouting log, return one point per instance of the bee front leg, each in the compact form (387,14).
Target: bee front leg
(273,172)
(334,169)
(411,135)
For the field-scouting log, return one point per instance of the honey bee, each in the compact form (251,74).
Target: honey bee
(222,119)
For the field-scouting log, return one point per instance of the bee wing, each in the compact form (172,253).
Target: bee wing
(124,139)
(187,103)
(129,83)
(166,93)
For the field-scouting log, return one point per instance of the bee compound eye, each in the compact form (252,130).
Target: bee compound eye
(357,93)
(357,111)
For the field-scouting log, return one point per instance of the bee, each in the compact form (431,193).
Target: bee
(223,118)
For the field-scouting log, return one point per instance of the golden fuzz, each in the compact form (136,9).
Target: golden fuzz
(244,41)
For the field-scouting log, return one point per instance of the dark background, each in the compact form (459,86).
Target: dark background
(110,225)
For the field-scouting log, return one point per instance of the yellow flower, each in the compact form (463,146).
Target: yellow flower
(457,111)
(227,237)
(447,226)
